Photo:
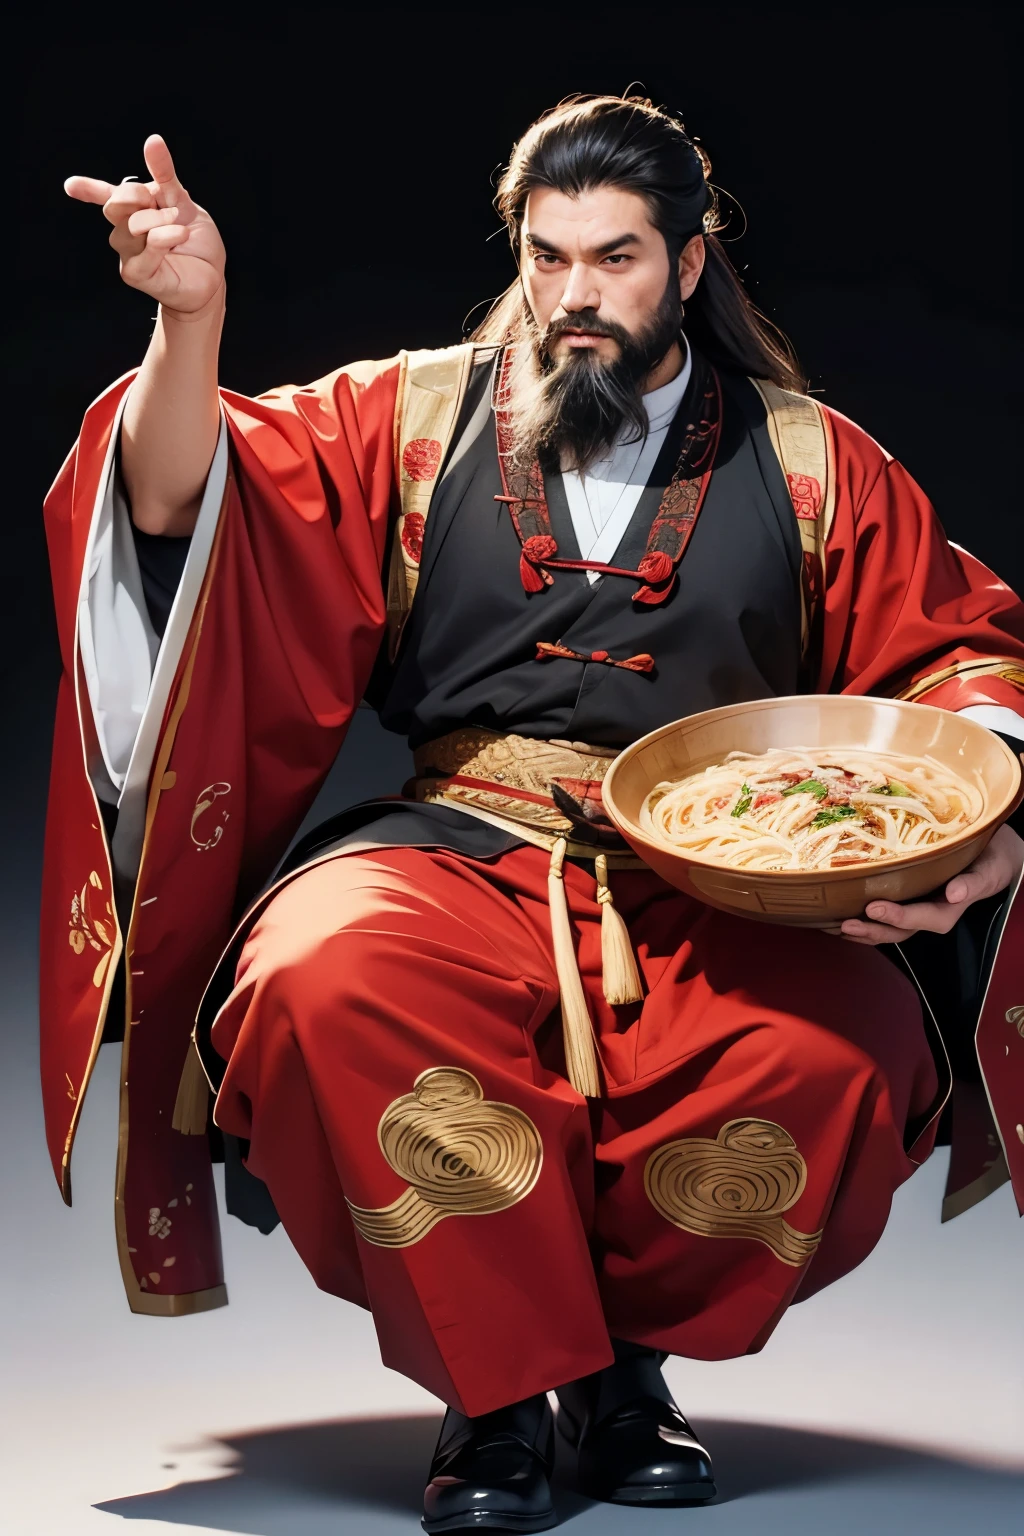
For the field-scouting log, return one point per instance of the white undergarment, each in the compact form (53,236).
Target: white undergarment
(128,669)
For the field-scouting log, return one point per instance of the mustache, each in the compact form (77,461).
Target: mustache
(584,322)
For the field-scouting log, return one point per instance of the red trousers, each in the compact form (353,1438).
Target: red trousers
(395,1058)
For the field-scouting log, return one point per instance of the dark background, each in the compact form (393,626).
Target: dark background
(348,156)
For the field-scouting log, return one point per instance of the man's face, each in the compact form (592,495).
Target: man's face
(598,253)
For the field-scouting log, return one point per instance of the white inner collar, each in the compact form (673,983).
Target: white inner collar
(602,502)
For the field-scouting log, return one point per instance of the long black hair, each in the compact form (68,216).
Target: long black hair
(597,141)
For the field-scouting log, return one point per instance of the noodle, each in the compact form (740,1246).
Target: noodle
(810,808)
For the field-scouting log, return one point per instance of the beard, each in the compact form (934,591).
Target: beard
(575,408)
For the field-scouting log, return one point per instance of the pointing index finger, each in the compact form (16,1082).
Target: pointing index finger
(87,189)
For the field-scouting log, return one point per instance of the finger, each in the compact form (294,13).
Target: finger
(857,931)
(166,238)
(143,262)
(159,162)
(128,237)
(963,889)
(124,242)
(903,920)
(937,916)
(145,219)
(169,188)
(981,879)
(125,199)
(86,189)
(142,258)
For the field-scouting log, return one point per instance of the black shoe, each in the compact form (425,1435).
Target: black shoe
(633,1445)
(492,1472)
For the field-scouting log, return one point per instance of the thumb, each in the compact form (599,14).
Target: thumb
(169,190)
(974,883)
(159,162)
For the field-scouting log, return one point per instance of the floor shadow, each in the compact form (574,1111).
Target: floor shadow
(758,1458)
(303,1479)
(365,1477)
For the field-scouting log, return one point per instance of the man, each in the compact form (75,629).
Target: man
(462,1036)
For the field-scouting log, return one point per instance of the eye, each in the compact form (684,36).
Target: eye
(546,258)
(618,259)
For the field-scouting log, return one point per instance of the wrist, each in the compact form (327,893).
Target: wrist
(211,311)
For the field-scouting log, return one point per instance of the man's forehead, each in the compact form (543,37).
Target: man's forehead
(595,219)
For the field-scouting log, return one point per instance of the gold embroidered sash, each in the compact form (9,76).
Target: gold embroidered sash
(549,794)
(541,790)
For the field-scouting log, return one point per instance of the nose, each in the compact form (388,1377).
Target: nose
(580,291)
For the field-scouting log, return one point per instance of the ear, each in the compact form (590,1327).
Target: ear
(691,265)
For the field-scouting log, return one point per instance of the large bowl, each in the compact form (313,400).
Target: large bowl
(813,898)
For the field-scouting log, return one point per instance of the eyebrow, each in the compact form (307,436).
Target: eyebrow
(540,244)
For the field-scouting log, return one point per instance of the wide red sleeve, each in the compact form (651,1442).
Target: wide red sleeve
(280,644)
(309,501)
(906,613)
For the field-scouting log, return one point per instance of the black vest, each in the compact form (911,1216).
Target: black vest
(730,630)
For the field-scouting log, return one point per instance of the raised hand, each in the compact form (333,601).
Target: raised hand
(169,247)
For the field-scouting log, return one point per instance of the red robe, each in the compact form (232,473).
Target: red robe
(284,636)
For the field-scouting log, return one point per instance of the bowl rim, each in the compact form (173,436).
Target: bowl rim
(635,834)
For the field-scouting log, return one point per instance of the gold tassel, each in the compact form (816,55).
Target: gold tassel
(193,1101)
(577,1028)
(621,978)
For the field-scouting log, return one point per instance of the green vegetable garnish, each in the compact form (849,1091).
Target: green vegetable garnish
(743,803)
(832,814)
(813,786)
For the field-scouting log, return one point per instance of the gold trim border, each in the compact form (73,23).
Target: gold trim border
(185,1305)
(979,1189)
(801,437)
(984,666)
(431,388)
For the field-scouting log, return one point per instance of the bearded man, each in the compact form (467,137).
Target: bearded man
(459,1040)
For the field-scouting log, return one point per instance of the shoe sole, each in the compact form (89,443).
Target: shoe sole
(666,1494)
(490,1520)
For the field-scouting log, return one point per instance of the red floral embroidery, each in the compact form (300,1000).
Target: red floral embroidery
(806,494)
(412,535)
(421,458)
